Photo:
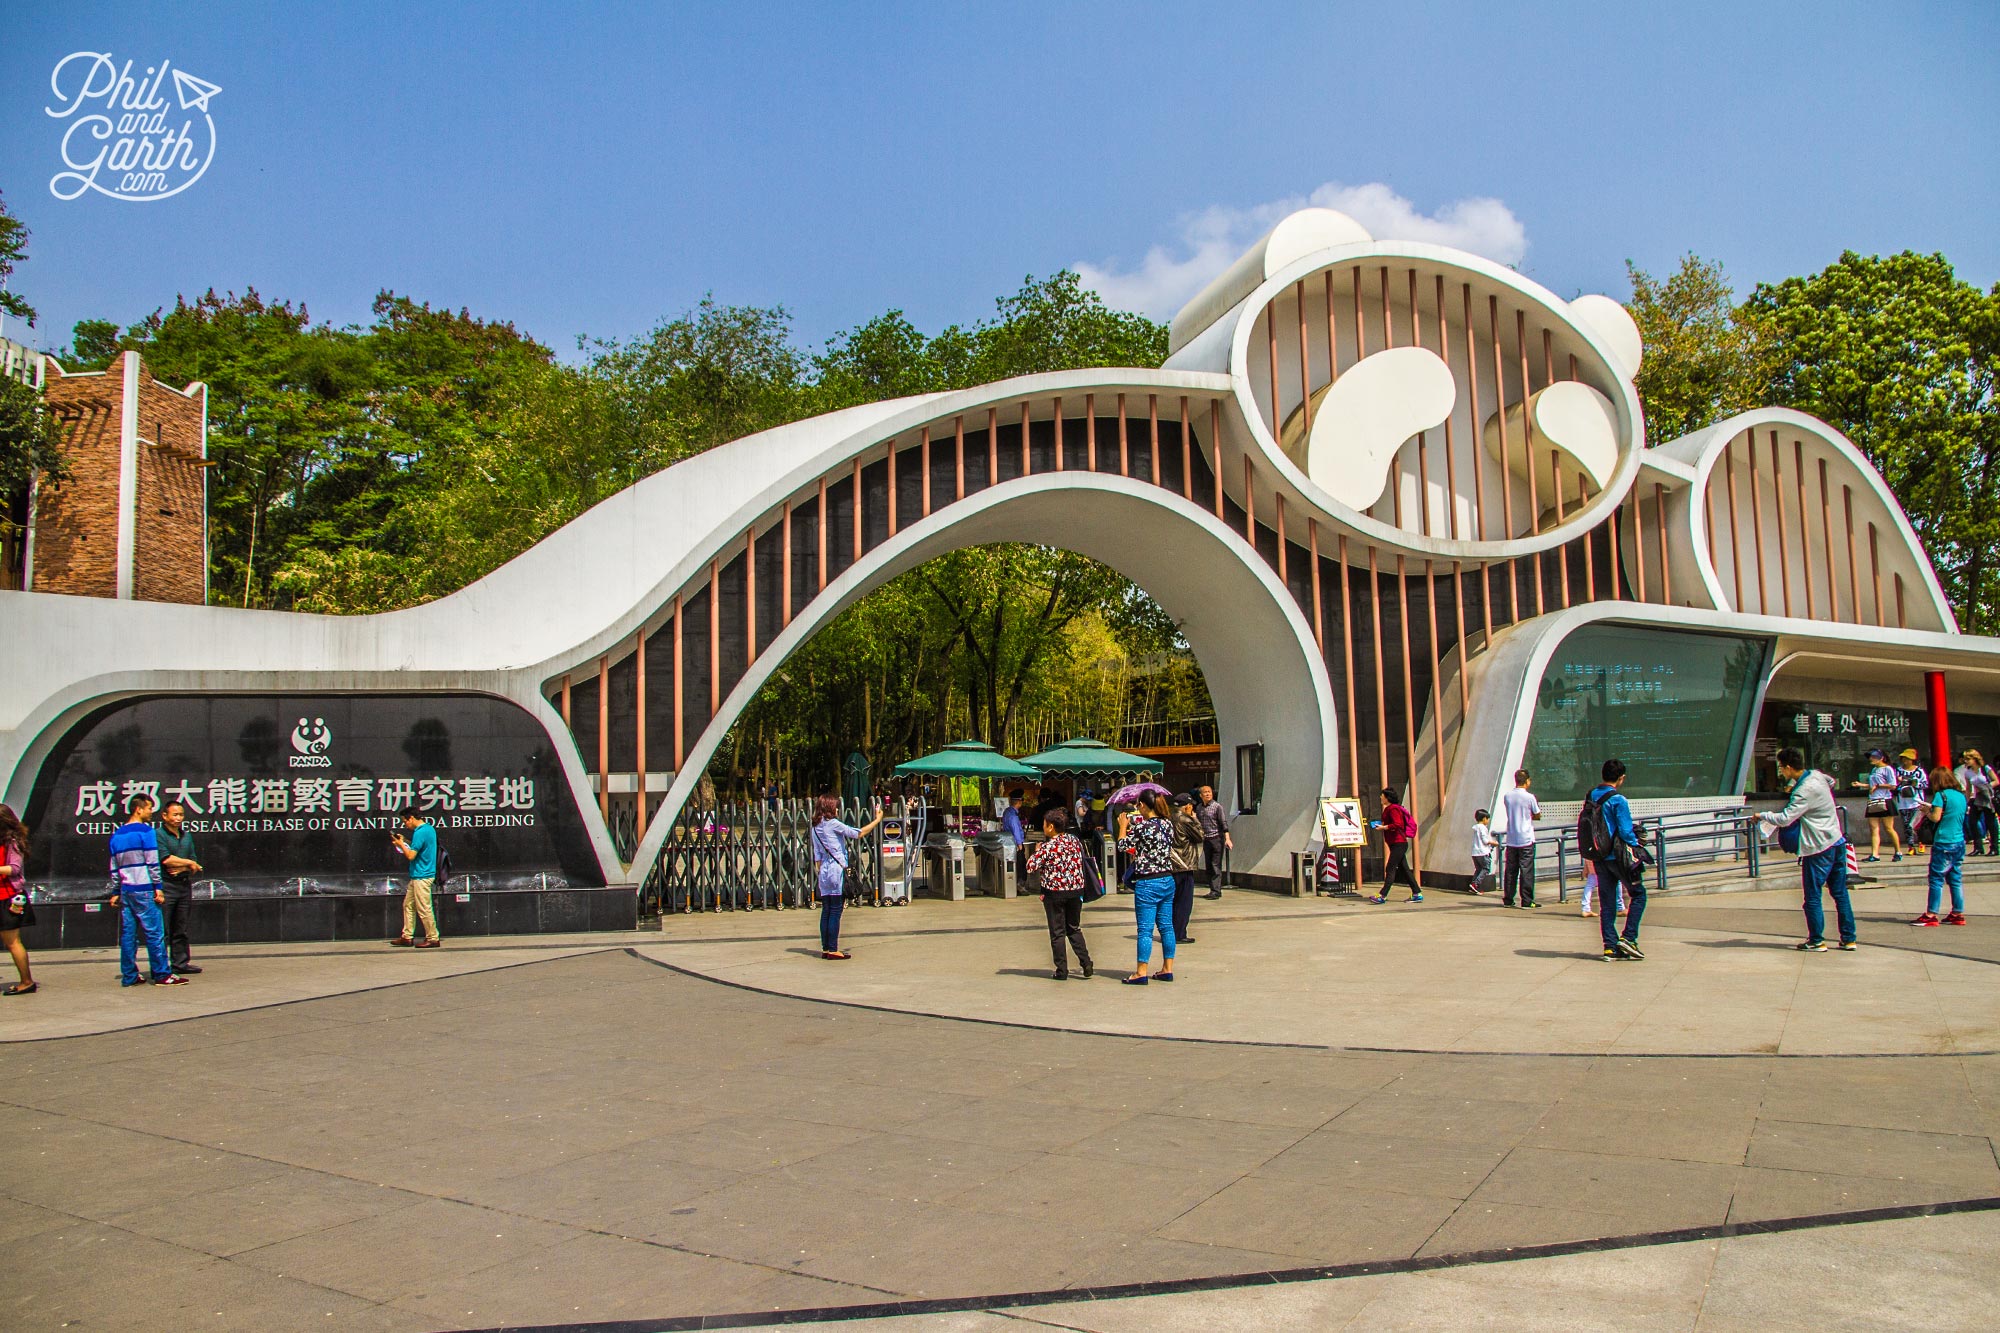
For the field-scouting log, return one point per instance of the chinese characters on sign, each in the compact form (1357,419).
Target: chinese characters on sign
(1889,725)
(432,797)
(1617,682)
(288,790)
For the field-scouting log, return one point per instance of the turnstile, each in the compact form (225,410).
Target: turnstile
(995,852)
(944,865)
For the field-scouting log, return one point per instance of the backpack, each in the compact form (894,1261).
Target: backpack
(1788,835)
(1594,838)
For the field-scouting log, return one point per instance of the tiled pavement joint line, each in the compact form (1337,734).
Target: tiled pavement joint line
(1276,1277)
(98,955)
(194,1257)
(1038,1323)
(583,952)
(1897,920)
(407,1189)
(1025,927)
(1302,1045)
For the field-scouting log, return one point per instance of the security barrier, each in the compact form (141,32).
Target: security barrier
(757,855)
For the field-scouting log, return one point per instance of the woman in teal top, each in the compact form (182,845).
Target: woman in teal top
(1947,814)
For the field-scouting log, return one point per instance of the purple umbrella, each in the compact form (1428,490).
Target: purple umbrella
(1130,793)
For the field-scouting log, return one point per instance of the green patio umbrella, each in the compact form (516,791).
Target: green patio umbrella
(1081,754)
(969,759)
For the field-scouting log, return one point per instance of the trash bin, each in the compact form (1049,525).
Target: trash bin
(944,865)
(995,853)
(1305,866)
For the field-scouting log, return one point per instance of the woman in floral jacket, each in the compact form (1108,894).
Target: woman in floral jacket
(1059,861)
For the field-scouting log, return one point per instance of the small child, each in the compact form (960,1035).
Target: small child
(1590,887)
(1482,850)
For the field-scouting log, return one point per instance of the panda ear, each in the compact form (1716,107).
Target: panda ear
(1615,328)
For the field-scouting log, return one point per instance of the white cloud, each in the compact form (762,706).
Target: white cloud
(1209,241)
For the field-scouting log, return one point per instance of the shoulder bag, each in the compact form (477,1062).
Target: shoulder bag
(1093,883)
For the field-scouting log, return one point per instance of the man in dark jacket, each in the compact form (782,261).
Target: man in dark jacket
(178,867)
(1214,821)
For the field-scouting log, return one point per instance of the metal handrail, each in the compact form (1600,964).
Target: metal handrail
(1727,833)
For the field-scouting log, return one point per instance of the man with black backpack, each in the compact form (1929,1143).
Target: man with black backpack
(1605,836)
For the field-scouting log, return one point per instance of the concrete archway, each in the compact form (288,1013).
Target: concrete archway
(1257,652)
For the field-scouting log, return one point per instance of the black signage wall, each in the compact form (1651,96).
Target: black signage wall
(298,794)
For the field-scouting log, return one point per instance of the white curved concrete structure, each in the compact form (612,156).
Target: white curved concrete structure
(1720,555)
(1255,649)
(1340,305)
(1306,232)
(1463,484)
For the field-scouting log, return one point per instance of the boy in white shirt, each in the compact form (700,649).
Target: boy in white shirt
(1482,850)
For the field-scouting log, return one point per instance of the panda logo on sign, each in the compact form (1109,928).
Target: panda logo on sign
(311,740)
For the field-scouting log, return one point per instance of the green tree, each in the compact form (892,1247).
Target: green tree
(887,357)
(284,399)
(31,443)
(31,440)
(436,387)
(93,343)
(1009,643)
(1057,324)
(716,373)
(1899,355)
(1706,359)
(319,434)
(1053,323)
(567,439)
(13,250)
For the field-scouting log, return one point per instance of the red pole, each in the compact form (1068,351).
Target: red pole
(1940,719)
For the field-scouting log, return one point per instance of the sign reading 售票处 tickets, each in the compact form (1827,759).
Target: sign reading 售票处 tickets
(300,793)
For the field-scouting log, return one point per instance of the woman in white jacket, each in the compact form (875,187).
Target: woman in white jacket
(1822,848)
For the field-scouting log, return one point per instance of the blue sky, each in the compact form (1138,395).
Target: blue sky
(594,172)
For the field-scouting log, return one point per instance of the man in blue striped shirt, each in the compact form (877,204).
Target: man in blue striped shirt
(137,893)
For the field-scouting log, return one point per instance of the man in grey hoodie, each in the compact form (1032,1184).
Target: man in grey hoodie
(1822,847)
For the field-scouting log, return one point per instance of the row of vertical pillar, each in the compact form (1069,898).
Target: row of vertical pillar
(1746,460)
(819,504)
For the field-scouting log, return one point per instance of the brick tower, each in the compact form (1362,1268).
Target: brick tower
(132,520)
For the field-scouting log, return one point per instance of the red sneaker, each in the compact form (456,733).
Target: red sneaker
(1955,919)
(1927,919)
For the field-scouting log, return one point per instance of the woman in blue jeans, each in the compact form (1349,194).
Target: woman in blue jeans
(1946,812)
(1147,835)
(829,845)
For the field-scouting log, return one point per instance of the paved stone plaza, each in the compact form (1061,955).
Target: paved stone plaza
(711,1120)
